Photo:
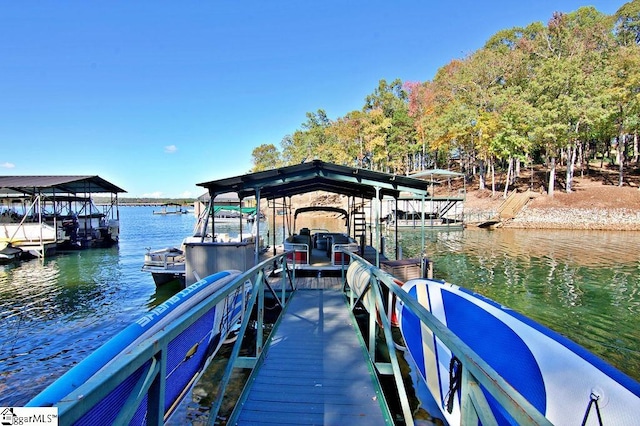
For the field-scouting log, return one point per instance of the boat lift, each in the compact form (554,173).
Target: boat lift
(39,226)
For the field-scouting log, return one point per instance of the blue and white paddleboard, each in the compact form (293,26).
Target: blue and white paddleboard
(188,353)
(554,374)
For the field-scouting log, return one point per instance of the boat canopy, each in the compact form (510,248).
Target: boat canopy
(438,173)
(300,210)
(244,210)
(317,176)
(330,209)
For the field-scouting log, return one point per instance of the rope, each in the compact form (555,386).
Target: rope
(594,399)
(455,379)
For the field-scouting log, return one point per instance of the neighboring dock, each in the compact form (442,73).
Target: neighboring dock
(42,214)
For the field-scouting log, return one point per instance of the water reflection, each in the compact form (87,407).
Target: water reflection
(53,313)
(583,284)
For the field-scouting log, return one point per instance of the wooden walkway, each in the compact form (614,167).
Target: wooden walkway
(316,372)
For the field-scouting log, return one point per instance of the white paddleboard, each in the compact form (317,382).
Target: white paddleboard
(554,374)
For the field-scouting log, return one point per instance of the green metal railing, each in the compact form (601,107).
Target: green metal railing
(257,296)
(475,371)
(150,356)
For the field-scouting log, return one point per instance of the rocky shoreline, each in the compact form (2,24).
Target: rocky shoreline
(592,206)
(576,218)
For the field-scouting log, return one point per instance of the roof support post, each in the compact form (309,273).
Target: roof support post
(395,222)
(422,247)
(377,209)
(240,210)
(40,206)
(273,226)
(209,215)
(257,222)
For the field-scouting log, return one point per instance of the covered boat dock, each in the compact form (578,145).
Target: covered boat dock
(41,213)
(316,367)
(361,186)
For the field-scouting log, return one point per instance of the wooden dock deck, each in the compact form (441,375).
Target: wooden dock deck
(316,370)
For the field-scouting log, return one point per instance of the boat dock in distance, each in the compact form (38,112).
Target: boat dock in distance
(42,214)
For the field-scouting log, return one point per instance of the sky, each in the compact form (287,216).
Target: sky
(157,96)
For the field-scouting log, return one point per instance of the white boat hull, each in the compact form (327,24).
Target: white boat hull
(165,265)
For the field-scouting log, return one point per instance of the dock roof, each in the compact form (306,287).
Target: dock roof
(317,176)
(437,173)
(58,184)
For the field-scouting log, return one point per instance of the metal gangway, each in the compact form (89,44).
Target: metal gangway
(315,343)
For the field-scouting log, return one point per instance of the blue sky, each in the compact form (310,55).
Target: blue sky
(156,96)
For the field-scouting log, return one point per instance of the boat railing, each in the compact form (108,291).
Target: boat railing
(148,360)
(476,373)
(340,251)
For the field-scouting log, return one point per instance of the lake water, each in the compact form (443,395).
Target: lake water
(582,284)
(585,285)
(53,313)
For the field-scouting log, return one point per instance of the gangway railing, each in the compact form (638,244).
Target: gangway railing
(148,360)
(476,373)
(257,296)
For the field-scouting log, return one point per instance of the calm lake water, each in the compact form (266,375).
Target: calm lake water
(582,284)
(54,313)
(585,285)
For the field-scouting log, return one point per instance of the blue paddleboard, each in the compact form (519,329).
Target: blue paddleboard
(557,376)
(187,357)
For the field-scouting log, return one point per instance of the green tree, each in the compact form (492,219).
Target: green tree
(264,157)
(395,135)
(627,23)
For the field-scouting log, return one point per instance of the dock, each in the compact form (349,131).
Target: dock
(316,369)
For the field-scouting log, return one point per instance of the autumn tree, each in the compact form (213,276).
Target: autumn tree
(560,91)
(392,132)
(264,157)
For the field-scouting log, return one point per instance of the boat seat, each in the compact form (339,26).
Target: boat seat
(302,239)
(320,240)
(335,238)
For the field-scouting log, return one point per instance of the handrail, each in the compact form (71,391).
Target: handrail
(476,372)
(377,312)
(149,358)
(257,296)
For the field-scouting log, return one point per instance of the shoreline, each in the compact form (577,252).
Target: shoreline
(591,206)
(577,218)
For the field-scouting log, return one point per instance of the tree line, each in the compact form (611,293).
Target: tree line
(563,93)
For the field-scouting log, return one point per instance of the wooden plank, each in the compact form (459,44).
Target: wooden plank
(315,371)
(323,282)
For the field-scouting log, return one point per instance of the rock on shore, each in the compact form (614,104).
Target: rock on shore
(577,218)
(592,205)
